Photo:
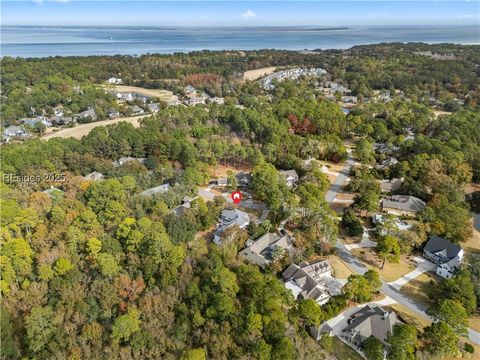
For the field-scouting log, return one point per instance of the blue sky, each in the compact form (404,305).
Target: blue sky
(239,13)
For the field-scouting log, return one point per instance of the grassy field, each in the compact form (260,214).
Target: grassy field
(258,73)
(344,352)
(472,245)
(340,269)
(81,130)
(422,290)
(410,317)
(164,95)
(390,272)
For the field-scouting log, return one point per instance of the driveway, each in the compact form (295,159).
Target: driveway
(356,266)
(423,266)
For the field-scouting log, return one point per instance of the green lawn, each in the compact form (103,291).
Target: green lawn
(344,352)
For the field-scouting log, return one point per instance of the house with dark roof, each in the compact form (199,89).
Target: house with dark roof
(244,179)
(388,162)
(447,255)
(228,218)
(266,248)
(311,281)
(369,321)
(402,205)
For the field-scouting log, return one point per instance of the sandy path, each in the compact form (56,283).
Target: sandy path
(162,94)
(81,130)
(258,73)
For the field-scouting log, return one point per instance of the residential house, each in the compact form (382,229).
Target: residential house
(244,179)
(388,162)
(136,110)
(391,185)
(196,100)
(186,204)
(33,121)
(389,224)
(87,114)
(114,80)
(58,111)
(113,113)
(190,91)
(369,321)
(448,256)
(61,120)
(290,176)
(95,176)
(311,281)
(228,218)
(402,205)
(153,107)
(173,101)
(266,248)
(349,99)
(156,190)
(221,181)
(217,100)
(15,132)
(124,160)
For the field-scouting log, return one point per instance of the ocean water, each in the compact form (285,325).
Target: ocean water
(31,41)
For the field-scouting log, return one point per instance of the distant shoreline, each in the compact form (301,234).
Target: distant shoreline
(110,41)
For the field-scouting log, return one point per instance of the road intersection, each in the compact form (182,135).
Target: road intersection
(391,290)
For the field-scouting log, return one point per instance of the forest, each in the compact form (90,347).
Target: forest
(92,269)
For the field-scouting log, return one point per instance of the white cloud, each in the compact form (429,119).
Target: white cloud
(249,14)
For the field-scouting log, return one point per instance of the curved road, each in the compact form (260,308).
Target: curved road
(358,267)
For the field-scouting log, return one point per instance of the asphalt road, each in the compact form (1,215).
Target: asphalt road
(358,267)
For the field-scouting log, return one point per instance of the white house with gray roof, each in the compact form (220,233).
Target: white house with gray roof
(311,281)
(447,255)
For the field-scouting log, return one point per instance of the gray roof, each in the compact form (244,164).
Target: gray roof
(389,161)
(438,244)
(262,251)
(137,109)
(222,181)
(95,176)
(153,107)
(289,173)
(156,190)
(244,179)
(233,217)
(88,113)
(391,185)
(372,321)
(403,202)
(14,131)
(309,278)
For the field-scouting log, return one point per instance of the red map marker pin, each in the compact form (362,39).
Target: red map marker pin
(236,197)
